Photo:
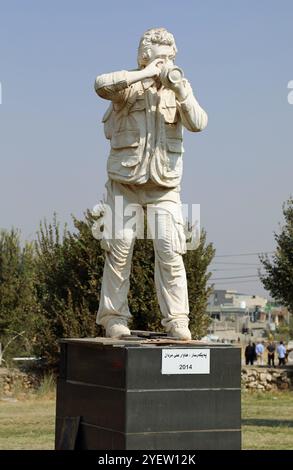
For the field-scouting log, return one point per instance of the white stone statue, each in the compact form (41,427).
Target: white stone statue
(144,123)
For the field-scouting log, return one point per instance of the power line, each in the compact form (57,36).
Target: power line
(245,254)
(230,269)
(234,282)
(235,263)
(234,277)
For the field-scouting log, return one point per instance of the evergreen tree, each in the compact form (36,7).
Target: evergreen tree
(19,311)
(143,303)
(278,276)
(196,264)
(143,299)
(69,271)
(51,289)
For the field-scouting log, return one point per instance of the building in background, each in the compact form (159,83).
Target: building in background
(235,315)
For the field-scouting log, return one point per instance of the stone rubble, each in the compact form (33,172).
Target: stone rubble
(12,380)
(266,379)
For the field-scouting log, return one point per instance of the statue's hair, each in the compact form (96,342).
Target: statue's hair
(154,36)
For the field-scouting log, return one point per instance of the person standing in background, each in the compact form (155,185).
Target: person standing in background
(249,354)
(259,349)
(271,348)
(281,350)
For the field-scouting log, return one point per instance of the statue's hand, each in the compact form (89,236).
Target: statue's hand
(154,68)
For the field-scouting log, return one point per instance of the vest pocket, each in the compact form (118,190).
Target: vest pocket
(169,108)
(125,149)
(170,114)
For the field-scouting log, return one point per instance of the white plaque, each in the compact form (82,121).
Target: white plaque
(185,361)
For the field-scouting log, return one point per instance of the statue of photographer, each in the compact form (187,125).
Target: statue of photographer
(144,124)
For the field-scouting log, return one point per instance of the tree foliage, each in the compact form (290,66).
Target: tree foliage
(278,271)
(19,311)
(69,269)
(196,263)
(142,297)
(50,289)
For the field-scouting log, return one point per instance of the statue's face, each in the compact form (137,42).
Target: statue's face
(158,51)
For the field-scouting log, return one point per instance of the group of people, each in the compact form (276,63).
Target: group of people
(255,353)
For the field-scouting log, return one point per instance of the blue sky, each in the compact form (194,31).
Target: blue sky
(238,58)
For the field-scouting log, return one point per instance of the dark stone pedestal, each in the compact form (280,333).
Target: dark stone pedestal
(112,394)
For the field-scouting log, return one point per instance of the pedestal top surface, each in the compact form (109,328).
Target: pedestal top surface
(134,341)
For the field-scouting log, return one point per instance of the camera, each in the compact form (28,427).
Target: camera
(171,74)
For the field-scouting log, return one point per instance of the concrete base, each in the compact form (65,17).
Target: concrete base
(112,394)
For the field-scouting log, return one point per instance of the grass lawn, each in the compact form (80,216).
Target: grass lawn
(27,424)
(267,422)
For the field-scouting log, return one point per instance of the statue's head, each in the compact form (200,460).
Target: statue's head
(154,43)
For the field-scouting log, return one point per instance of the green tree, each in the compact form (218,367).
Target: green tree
(19,311)
(277,277)
(196,263)
(69,270)
(50,289)
(142,297)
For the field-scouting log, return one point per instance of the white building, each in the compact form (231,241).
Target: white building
(235,312)
(232,298)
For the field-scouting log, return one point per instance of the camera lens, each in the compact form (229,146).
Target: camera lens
(175,75)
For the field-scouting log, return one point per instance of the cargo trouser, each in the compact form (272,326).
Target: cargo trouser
(164,206)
